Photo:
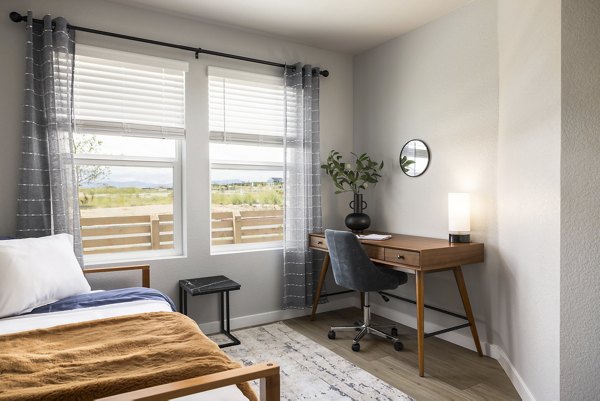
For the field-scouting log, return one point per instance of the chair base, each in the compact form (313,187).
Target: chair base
(368,328)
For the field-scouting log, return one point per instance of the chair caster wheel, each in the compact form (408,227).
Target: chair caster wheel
(398,346)
(394,332)
(331,335)
(355,347)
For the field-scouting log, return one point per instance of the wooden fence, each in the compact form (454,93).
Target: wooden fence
(147,232)
(248,226)
(126,233)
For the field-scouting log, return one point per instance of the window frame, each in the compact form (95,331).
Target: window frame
(246,139)
(151,130)
(253,246)
(176,163)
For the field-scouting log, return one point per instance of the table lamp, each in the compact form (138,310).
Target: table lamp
(459,217)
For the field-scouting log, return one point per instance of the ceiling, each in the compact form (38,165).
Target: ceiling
(347,26)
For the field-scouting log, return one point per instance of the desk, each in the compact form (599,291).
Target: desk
(418,256)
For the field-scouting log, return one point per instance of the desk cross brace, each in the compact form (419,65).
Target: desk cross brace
(435,333)
(435,308)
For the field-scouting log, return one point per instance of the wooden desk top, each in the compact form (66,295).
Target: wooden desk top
(414,253)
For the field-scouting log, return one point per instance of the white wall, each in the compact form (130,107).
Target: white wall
(580,201)
(260,273)
(437,83)
(526,317)
(481,87)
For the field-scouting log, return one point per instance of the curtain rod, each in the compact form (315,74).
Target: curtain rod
(16,17)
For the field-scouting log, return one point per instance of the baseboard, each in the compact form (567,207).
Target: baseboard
(498,353)
(277,315)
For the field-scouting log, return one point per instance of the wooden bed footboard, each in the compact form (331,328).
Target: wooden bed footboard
(267,372)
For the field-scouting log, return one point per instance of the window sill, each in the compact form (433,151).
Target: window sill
(129,258)
(245,248)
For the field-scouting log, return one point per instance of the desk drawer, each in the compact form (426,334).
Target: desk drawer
(400,256)
(318,242)
(374,252)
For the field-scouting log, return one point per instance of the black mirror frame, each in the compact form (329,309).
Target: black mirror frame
(428,158)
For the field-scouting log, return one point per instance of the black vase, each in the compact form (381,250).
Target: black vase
(358,221)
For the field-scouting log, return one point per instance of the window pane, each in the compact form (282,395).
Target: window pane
(124,146)
(125,209)
(253,200)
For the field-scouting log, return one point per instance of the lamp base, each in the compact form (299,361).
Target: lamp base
(459,238)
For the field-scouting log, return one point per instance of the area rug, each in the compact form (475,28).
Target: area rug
(309,371)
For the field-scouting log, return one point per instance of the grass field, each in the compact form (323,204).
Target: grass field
(252,194)
(222,195)
(105,197)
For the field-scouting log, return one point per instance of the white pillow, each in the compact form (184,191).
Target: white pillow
(38,271)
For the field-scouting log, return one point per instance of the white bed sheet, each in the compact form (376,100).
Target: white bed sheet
(51,319)
(45,320)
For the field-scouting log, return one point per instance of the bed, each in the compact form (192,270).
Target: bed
(117,345)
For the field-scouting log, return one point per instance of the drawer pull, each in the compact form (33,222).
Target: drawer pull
(401,257)
(320,243)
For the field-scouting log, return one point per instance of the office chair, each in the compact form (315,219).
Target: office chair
(353,269)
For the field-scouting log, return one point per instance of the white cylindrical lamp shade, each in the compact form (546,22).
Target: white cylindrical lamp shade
(459,213)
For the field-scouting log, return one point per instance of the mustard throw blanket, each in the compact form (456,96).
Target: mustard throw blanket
(88,360)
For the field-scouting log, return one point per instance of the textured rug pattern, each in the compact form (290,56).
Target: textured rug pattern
(309,371)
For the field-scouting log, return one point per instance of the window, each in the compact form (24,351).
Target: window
(247,122)
(129,134)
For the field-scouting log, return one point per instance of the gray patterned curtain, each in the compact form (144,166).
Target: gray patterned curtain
(302,186)
(48,199)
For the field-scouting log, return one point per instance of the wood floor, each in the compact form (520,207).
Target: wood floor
(451,372)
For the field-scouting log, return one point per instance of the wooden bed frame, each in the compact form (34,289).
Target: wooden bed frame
(267,373)
(145,269)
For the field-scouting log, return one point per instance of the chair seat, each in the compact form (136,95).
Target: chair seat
(399,277)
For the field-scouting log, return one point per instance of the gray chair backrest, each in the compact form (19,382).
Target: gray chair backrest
(352,267)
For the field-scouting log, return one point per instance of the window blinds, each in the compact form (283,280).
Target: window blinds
(128,94)
(245,108)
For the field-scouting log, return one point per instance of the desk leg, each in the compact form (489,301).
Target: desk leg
(462,288)
(420,292)
(317,296)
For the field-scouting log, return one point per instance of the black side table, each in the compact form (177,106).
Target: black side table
(211,285)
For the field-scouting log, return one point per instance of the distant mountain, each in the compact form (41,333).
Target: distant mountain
(144,184)
(128,184)
(242,181)
(228,182)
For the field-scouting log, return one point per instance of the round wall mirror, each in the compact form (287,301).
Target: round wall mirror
(414,158)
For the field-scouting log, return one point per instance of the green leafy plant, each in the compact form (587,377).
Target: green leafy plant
(405,163)
(347,177)
(88,175)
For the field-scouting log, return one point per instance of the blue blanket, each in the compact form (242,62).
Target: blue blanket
(105,298)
